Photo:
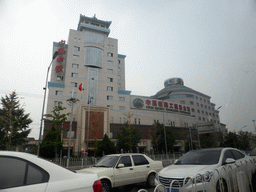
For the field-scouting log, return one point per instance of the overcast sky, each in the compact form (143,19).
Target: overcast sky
(210,44)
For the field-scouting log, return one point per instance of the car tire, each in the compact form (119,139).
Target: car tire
(151,180)
(218,189)
(105,186)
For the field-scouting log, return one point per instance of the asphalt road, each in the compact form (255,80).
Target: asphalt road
(132,188)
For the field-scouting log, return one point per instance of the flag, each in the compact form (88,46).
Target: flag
(81,87)
(89,100)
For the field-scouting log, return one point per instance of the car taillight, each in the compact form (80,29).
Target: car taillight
(97,186)
(163,164)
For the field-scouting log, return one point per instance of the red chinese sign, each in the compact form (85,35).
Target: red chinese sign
(60,59)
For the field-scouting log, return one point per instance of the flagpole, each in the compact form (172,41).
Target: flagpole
(89,101)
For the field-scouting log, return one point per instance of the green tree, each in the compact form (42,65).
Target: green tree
(128,138)
(231,140)
(106,146)
(244,138)
(208,140)
(14,122)
(158,139)
(52,143)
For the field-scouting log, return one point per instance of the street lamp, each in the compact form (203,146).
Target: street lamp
(254,124)
(45,88)
(164,122)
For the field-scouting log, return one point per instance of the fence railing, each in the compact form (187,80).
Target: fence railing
(235,177)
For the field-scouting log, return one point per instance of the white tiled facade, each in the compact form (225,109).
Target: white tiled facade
(92,58)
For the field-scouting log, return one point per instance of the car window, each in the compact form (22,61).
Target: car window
(237,154)
(126,160)
(17,172)
(227,154)
(139,160)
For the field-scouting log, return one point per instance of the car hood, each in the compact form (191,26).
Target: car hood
(97,170)
(185,170)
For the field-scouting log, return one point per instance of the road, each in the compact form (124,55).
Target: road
(133,188)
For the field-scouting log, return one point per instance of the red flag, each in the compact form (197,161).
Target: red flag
(81,87)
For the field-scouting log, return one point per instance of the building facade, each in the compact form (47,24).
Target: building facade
(90,69)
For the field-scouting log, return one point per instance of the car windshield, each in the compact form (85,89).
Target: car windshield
(107,161)
(200,157)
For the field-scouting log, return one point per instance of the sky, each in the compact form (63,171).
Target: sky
(210,44)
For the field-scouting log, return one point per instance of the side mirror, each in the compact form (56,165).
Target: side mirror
(230,161)
(120,165)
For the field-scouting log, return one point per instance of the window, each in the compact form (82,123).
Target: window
(59,78)
(200,98)
(192,109)
(75,57)
(119,85)
(205,107)
(122,99)
(227,154)
(182,102)
(18,172)
(73,95)
(74,39)
(202,105)
(191,103)
(59,93)
(139,121)
(210,114)
(110,54)
(121,108)
(110,63)
(119,69)
(139,160)
(196,97)
(202,112)
(209,107)
(75,75)
(214,121)
(79,40)
(123,120)
(119,62)
(75,66)
(203,119)
(213,115)
(206,113)
(217,116)
(111,133)
(110,79)
(199,118)
(198,111)
(110,70)
(126,160)
(110,107)
(109,97)
(56,103)
(197,104)
(119,77)
(213,109)
(208,101)
(76,48)
(205,100)
(120,120)
(109,88)
(73,84)
(135,121)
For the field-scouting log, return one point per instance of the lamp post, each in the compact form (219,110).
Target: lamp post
(72,100)
(164,123)
(254,124)
(45,88)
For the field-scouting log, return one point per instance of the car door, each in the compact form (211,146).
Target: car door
(124,175)
(141,168)
(20,175)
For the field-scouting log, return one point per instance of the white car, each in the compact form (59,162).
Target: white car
(124,169)
(26,172)
(206,169)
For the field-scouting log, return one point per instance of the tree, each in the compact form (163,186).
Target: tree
(158,138)
(244,139)
(128,138)
(209,140)
(106,146)
(231,140)
(52,143)
(14,122)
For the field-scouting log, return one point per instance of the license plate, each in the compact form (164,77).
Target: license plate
(172,190)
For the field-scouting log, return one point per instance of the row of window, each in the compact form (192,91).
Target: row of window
(203,119)
(206,113)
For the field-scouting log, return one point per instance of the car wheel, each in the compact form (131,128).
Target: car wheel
(151,180)
(219,188)
(105,186)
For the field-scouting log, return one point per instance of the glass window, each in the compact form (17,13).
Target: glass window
(109,88)
(227,154)
(182,102)
(76,48)
(120,120)
(93,56)
(139,121)
(56,103)
(199,118)
(210,114)
(203,119)
(110,54)
(119,62)
(75,75)
(59,78)
(119,77)
(202,105)
(202,112)
(119,69)
(59,93)
(75,57)
(126,160)
(111,121)
(119,85)
(36,175)
(73,84)
(204,100)
(198,111)
(205,107)
(92,37)
(200,99)
(109,97)
(110,70)
(121,98)
(206,113)
(191,103)
(135,121)
(110,107)
(75,66)
(197,104)
(121,108)
(196,97)
(110,79)
(193,110)
(110,63)
(237,154)
(74,39)
(139,160)
(107,161)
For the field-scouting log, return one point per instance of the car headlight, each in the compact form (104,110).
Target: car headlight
(204,177)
